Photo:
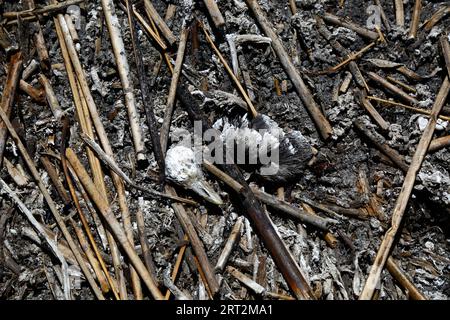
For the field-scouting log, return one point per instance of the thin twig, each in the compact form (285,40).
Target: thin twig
(268,199)
(173,90)
(123,68)
(405,106)
(395,90)
(445,45)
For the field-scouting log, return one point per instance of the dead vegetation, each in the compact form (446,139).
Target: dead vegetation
(94,93)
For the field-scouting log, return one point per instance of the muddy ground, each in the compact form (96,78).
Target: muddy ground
(422,247)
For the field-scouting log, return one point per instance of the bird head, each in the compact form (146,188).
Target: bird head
(183,169)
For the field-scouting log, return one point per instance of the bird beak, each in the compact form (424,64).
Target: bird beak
(203,189)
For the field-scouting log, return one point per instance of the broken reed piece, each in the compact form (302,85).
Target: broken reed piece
(229,245)
(405,193)
(114,167)
(399,13)
(361,97)
(35,94)
(230,72)
(30,69)
(270,200)
(113,223)
(171,99)
(123,68)
(405,106)
(46,9)
(402,279)
(39,40)
(364,32)
(346,83)
(393,89)
(402,84)
(52,100)
(196,244)
(162,26)
(51,242)
(304,93)
(415,20)
(437,16)
(54,177)
(90,256)
(215,13)
(445,46)
(72,29)
(339,48)
(51,204)
(351,57)
(149,30)
(379,142)
(253,285)
(439,143)
(8,95)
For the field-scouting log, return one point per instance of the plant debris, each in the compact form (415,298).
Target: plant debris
(96,93)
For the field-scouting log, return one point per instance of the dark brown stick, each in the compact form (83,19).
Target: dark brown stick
(196,243)
(9,91)
(366,33)
(378,141)
(145,92)
(393,89)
